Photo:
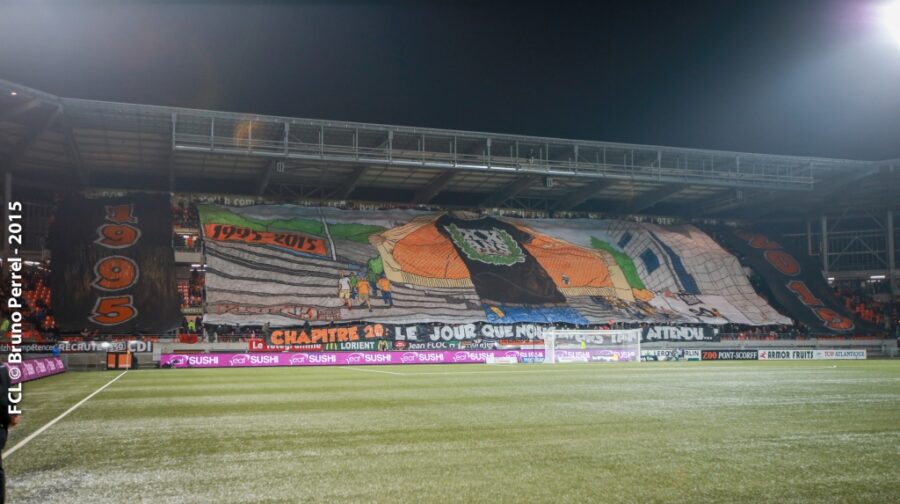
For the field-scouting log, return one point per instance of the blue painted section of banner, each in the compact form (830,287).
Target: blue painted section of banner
(684,278)
(651,262)
(516,314)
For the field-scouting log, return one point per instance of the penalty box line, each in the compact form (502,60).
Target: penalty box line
(34,434)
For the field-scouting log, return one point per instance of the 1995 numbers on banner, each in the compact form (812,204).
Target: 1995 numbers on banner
(116,272)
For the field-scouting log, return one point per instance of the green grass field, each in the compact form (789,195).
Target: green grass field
(653,432)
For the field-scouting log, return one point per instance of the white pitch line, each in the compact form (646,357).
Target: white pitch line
(500,371)
(34,434)
(373,371)
(553,369)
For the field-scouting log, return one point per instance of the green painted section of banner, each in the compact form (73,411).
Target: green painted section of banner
(624,262)
(219,215)
(376,268)
(352,232)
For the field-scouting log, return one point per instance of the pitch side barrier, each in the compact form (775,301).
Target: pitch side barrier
(34,369)
(871,347)
(780,354)
(302,359)
(745,354)
(291,359)
(281,359)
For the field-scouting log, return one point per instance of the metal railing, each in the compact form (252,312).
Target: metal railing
(293,138)
(440,149)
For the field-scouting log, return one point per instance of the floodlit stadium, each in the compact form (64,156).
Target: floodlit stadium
(212,306)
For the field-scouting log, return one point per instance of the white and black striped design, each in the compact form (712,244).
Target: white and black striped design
(257,276)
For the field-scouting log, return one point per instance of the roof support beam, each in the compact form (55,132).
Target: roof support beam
(171,158)
(343,193)
(581,195)
(762,204)
(436,185)
(842,180)
(290,190)
(729,200)
(22,180)
(511,190)
(266,176)
(31,137)
(648,199)
(72,148)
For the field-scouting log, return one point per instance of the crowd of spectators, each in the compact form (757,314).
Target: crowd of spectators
(184,215)
(191,291)
(37,312)
(189,242)
(882,313)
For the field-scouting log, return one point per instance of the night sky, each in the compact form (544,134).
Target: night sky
(790,76)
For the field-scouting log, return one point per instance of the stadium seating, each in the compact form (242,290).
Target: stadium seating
(38,320)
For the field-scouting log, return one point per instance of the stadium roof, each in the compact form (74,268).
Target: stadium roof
(64,144)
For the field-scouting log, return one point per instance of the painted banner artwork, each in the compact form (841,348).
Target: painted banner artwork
(113,265)
(287,241)
(218,360)
(289,265)
(797,286)
(675,273)
(32,369)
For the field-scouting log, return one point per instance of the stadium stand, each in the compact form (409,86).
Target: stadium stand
(882,312)
(190,292)
(39,323)
(184,214)
(618,235)
(639,252)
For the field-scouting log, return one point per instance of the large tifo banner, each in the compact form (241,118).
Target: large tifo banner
(287,265)
(113,266)
(32,369)
(796,285)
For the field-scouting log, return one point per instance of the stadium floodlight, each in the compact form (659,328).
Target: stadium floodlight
(889,16)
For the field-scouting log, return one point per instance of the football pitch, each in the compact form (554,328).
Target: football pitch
(824,431)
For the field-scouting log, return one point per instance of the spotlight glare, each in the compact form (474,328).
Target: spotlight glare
(889,14)
(13,93)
